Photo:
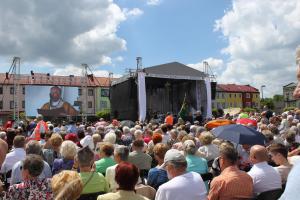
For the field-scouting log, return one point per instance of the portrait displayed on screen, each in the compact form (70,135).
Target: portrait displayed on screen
(51,101)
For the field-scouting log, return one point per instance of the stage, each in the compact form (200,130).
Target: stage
(158,90)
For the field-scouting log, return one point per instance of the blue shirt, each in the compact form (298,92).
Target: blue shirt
(196,164)
(61,164)
(72,129)
(16,175)
(157,177)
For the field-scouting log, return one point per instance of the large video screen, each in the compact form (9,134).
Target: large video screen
(51,101)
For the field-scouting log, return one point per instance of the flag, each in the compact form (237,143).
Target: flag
(184,108)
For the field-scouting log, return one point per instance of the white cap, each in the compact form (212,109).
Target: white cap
(173,155)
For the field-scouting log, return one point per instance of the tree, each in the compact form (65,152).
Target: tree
(267,102)
(278,97)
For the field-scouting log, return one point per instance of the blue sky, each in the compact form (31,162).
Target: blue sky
(173,31)
(244,42)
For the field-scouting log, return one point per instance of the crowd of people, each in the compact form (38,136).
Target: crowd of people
(172,160)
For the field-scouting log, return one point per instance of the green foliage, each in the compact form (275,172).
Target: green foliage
(267,102)
(289,108)
(103,114)
(278,97)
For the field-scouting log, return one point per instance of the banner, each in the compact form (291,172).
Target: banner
(208,96)
(142,96)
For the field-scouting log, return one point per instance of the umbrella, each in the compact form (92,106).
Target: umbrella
(127,123)
(218,122)
(239,134)
(246,121)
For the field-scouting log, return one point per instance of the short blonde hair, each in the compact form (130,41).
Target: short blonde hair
(56,140)
(59,180)
(206,138)
(72,190)
(68,149)
(160,150)
(96,138)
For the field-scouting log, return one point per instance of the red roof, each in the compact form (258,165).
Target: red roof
(43,79)
(236,88)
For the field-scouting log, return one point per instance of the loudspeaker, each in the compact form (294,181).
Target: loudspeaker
(213,86)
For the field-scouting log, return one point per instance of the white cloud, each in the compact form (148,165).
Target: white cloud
(215,64)
(262,38)
(77,71)
(61,33)
(119,59)
(153,2)
(133,12)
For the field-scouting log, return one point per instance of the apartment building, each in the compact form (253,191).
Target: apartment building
(236,96)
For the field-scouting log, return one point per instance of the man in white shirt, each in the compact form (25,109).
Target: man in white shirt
(265,177)
(121,153)
(32,147)
(182,184)
(17,154)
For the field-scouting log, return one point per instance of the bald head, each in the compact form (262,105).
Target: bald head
(258,154)
(3,151)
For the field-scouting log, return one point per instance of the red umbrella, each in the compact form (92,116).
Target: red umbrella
(218,122)
(247,121)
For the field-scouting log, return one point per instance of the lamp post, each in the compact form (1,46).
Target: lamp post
(262,95)
(262,91)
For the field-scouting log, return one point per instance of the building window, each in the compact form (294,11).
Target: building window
(103,104)
(11,104)
(1,90)
(248,95)
(248,104)
(23,90)
(11,90)
(229,95)
(1,105)
(235,95)
(90,104)
(91,92)
(240,95)
(222,95)
(104,92)
(79,91)
(23,104)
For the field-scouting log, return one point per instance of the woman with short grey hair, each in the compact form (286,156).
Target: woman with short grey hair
(195,163)
(68,151)
(121,154)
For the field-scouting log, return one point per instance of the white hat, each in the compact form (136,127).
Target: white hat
(173,155)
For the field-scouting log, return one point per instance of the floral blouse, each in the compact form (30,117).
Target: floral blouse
(30,190)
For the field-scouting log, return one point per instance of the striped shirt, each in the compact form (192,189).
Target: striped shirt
(231,184)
